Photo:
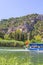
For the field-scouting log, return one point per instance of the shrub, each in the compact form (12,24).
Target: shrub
(6,36)
(33,41)
(11,43)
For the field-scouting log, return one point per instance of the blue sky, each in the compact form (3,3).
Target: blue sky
(15,8)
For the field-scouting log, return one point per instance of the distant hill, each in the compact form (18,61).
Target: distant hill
(31,22)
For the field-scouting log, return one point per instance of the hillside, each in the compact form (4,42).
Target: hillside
(29,23)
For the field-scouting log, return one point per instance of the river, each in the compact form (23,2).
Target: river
(32,57)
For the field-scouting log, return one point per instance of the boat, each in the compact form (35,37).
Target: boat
(36,46)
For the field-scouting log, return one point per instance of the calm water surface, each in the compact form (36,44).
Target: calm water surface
(22,57)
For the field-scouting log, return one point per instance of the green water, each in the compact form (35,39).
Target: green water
(36,58)
(21,58)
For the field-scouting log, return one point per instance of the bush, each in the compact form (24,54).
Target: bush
(6,36)
(33,41)
(19,43)
(11,43)
(37,38)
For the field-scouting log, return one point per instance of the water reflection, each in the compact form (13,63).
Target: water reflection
(31,57)
(36,57)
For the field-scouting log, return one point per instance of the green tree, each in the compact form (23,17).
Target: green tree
(2,35)
(31,35)
(37,38)
(12,35)
(6,36)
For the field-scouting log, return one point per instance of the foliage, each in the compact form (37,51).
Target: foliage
(2,35)
(33,41)
(31,35)
(37,38)
(6,36)
(11,43)
(17,35)
(33,23)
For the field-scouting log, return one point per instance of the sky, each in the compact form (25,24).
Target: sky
(17,8)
